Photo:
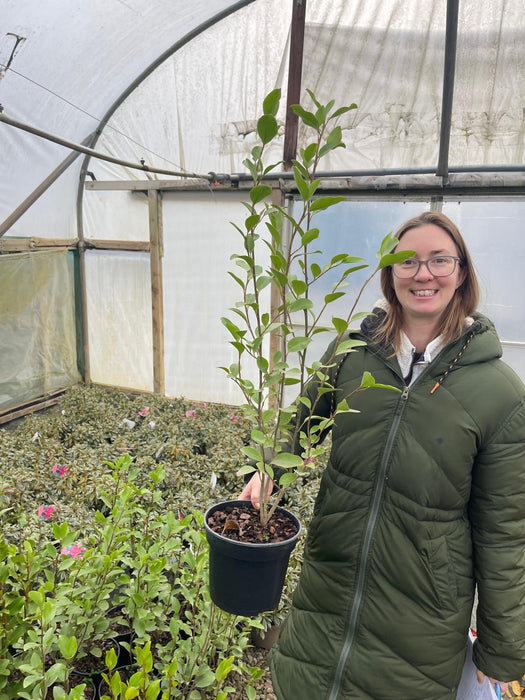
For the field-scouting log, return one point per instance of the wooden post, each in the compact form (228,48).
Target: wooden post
(157,305)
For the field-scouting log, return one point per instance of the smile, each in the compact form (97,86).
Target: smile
(424,292)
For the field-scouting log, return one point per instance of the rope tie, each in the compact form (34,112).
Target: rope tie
(452,364)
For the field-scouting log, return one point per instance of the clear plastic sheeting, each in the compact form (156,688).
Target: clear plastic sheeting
(119,319)
(37,326)
(179,97)
(62,66)
(198,242)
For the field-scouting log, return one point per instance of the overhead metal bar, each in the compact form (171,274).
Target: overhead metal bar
(295,69)
(232,181)
(95,154)
(451,40)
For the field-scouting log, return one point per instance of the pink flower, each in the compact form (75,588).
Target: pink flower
(144,412)
(235,419)
(59,469)
(206,407)
(74,551)
(180,516)
(45,512)
(191,414)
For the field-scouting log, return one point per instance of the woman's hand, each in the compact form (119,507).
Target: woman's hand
(481,677)
(252,490)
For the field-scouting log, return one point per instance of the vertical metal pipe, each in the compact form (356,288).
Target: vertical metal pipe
(451,39)
(295,69)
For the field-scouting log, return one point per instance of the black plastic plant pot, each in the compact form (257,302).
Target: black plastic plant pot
(246,578)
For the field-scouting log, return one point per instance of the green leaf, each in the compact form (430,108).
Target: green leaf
(305,401)
(361,314)
(250,693)
(287,460)
(205,677)
(308,154)
(234,330)
(322,203)
(368,381)
(333,141)
(313,98)
(263,282)
(299,286)
(60,530)
(343,110)
(302,185)
(306,117)
(260,192)
(333,296)
(262,364)
(340,325)
(259,437)
(388,244)
(252,221)
(287,479)
(313,187)
(252,453)
(267,128)
(392,258)
(223,669)
(251,167)
(309,236)
(247,469)
(54,673)
(271,102)
(298,344)
(68,646)
(300,304)
(348,345)
(315,269)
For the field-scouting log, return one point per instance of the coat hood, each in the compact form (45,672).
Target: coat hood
(478,343)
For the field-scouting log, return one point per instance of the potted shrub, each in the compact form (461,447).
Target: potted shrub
(279,257)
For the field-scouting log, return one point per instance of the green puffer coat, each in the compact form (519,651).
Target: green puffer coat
(423,496)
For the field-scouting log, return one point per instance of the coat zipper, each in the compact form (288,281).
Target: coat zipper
(372,518)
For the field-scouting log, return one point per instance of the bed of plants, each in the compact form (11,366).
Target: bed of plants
(101,507)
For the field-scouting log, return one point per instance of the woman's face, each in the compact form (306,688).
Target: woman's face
(425,297)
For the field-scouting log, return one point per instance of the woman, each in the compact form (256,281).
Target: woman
(422,498)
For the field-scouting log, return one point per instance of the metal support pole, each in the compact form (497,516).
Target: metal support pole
(295,69)
(451,39)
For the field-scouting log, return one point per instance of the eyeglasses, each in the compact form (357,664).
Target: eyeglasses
(440,266)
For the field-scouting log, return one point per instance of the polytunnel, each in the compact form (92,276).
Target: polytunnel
(114,271)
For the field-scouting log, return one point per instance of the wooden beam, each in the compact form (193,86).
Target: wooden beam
(30,406)
(295,69)
(20,245)
(157,304)
(134,246)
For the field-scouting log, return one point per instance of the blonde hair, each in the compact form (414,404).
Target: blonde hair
(463,303)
